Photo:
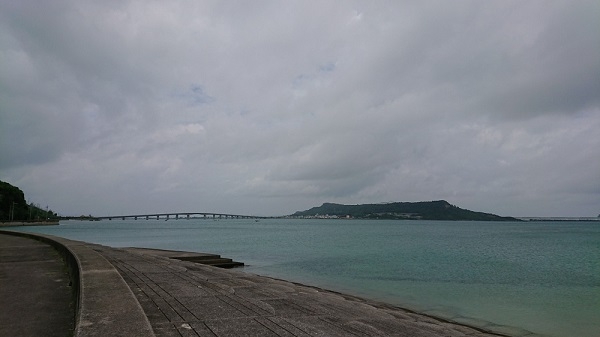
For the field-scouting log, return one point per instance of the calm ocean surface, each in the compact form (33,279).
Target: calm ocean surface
(516,277)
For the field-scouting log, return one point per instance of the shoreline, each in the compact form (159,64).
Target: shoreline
(481,326)
(338,308)
(485,327)
(490,328)
(441,313)
(198,297)
(29,223)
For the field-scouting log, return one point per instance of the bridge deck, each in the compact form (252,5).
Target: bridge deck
(178,215)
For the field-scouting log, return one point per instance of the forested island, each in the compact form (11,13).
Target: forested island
(424,210)
(14,208)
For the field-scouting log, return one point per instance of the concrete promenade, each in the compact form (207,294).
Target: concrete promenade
(36,293)
(131,293)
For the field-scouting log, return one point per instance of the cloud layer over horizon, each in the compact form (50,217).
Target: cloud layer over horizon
(267,108)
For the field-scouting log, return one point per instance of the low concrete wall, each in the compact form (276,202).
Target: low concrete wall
(105,304)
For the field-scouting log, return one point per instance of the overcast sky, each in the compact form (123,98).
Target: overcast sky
(269,107)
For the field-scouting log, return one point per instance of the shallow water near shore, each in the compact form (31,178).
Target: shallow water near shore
(512,277)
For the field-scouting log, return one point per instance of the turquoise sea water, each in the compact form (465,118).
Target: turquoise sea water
(514,277)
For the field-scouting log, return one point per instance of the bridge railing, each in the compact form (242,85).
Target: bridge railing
(178,215)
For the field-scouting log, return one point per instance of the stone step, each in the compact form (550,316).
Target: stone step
(226,264)
(202,258)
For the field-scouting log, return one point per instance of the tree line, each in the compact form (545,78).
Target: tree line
(13,206)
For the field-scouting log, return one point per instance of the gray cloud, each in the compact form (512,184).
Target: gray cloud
(109,107)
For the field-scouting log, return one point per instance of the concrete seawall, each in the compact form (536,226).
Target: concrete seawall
(121,292)
(105,306)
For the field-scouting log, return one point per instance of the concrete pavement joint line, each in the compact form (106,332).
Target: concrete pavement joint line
(134,280)
(274,326)
(169,301)
(162,305)
(176,305)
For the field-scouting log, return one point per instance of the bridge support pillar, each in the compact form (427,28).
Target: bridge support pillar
(176,216)
(188,217)
(157,217)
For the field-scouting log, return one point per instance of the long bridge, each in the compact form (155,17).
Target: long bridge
(177,216)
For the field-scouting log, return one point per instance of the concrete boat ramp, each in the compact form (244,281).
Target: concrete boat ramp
(202,258)
(142,292)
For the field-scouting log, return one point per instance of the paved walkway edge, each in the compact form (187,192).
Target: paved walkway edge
(105,304)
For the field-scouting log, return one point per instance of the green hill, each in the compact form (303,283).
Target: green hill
(424,210)
(13,206)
